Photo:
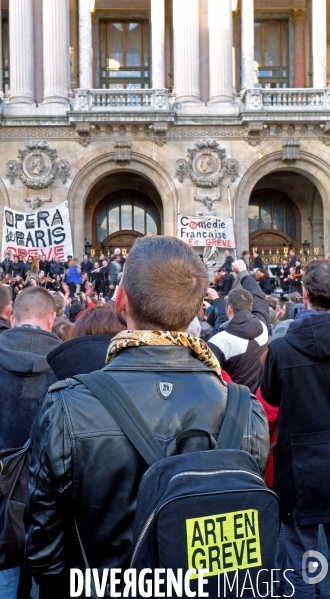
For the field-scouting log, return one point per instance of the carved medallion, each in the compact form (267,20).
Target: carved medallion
(38,167)
(207,165)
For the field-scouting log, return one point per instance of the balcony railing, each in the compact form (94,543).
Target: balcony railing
(286,99)
(121,99)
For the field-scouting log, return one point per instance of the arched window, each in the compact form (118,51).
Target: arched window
(126,210)
(272,210)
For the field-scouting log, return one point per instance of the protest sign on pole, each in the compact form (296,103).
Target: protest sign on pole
(209,231)
(45,232)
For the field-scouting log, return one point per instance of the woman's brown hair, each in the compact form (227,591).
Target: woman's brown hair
(101,320)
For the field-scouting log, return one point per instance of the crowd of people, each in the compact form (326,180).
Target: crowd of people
(157,317)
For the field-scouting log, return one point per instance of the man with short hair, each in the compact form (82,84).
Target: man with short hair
(25,376)
(6,264)
(6,307)
(296,378)
(114,272)
(227,265)
(83,465)
(257,261)
(240,346)
(86,265)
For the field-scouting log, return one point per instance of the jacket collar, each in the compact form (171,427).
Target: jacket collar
(153,358)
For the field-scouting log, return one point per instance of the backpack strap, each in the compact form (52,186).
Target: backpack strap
(113,397)
(236,417)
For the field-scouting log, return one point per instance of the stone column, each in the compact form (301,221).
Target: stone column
(186,51)
(319,43)
(85,46)
(299,16)
(247,26)
(158,43)
(56,51)
(221,51)
(21,52)
(1,62)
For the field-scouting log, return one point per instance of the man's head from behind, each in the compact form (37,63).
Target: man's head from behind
(34,305)
(163,285)
(238,300)
(316,292)
(6,304)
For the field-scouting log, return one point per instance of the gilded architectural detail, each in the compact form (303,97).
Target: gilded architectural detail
(299,14)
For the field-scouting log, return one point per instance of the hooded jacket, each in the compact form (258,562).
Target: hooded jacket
(240,346)
(79,356)
(296,377)
(25,377)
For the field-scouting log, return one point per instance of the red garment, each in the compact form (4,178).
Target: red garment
(226,377)
(272,417)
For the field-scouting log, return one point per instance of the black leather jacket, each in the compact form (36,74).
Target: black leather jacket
(83,465)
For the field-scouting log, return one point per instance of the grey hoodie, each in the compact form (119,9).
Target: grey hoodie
(25,376)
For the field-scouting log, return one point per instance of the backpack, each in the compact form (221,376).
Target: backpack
(14,479)
(198,510)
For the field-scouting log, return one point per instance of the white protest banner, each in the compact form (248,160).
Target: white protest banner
(215,231)
(45,232)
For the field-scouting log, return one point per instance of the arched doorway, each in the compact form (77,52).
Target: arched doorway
(306,183)
(121,217)
(274,221)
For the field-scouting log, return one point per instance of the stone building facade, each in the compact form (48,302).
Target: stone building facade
(137,111)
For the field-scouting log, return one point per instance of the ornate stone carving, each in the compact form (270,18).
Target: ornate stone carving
(122,130)
(278,130)
(109,130)
(37,168)
(232,168)
(304,129)
(122,152)
(299,14)
(181,169)
(291,150)
(291,130)
(256,132)
(135,130)
(157,133)
(207,165)
(84,134)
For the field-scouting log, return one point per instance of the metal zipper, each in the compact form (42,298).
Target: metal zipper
(197,473)
(143,533)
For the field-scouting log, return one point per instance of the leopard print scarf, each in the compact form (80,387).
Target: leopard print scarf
(138,338)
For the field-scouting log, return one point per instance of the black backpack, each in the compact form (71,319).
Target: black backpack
(200,510)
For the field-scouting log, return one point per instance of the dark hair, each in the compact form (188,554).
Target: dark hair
(317,283)
(245,253)
(240,299)
(165,282)
(75,308)
(33,302)
(287,306)
(265,272)
(5,297)
(101,320)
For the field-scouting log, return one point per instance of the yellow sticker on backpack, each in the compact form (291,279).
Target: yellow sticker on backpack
(224,542)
